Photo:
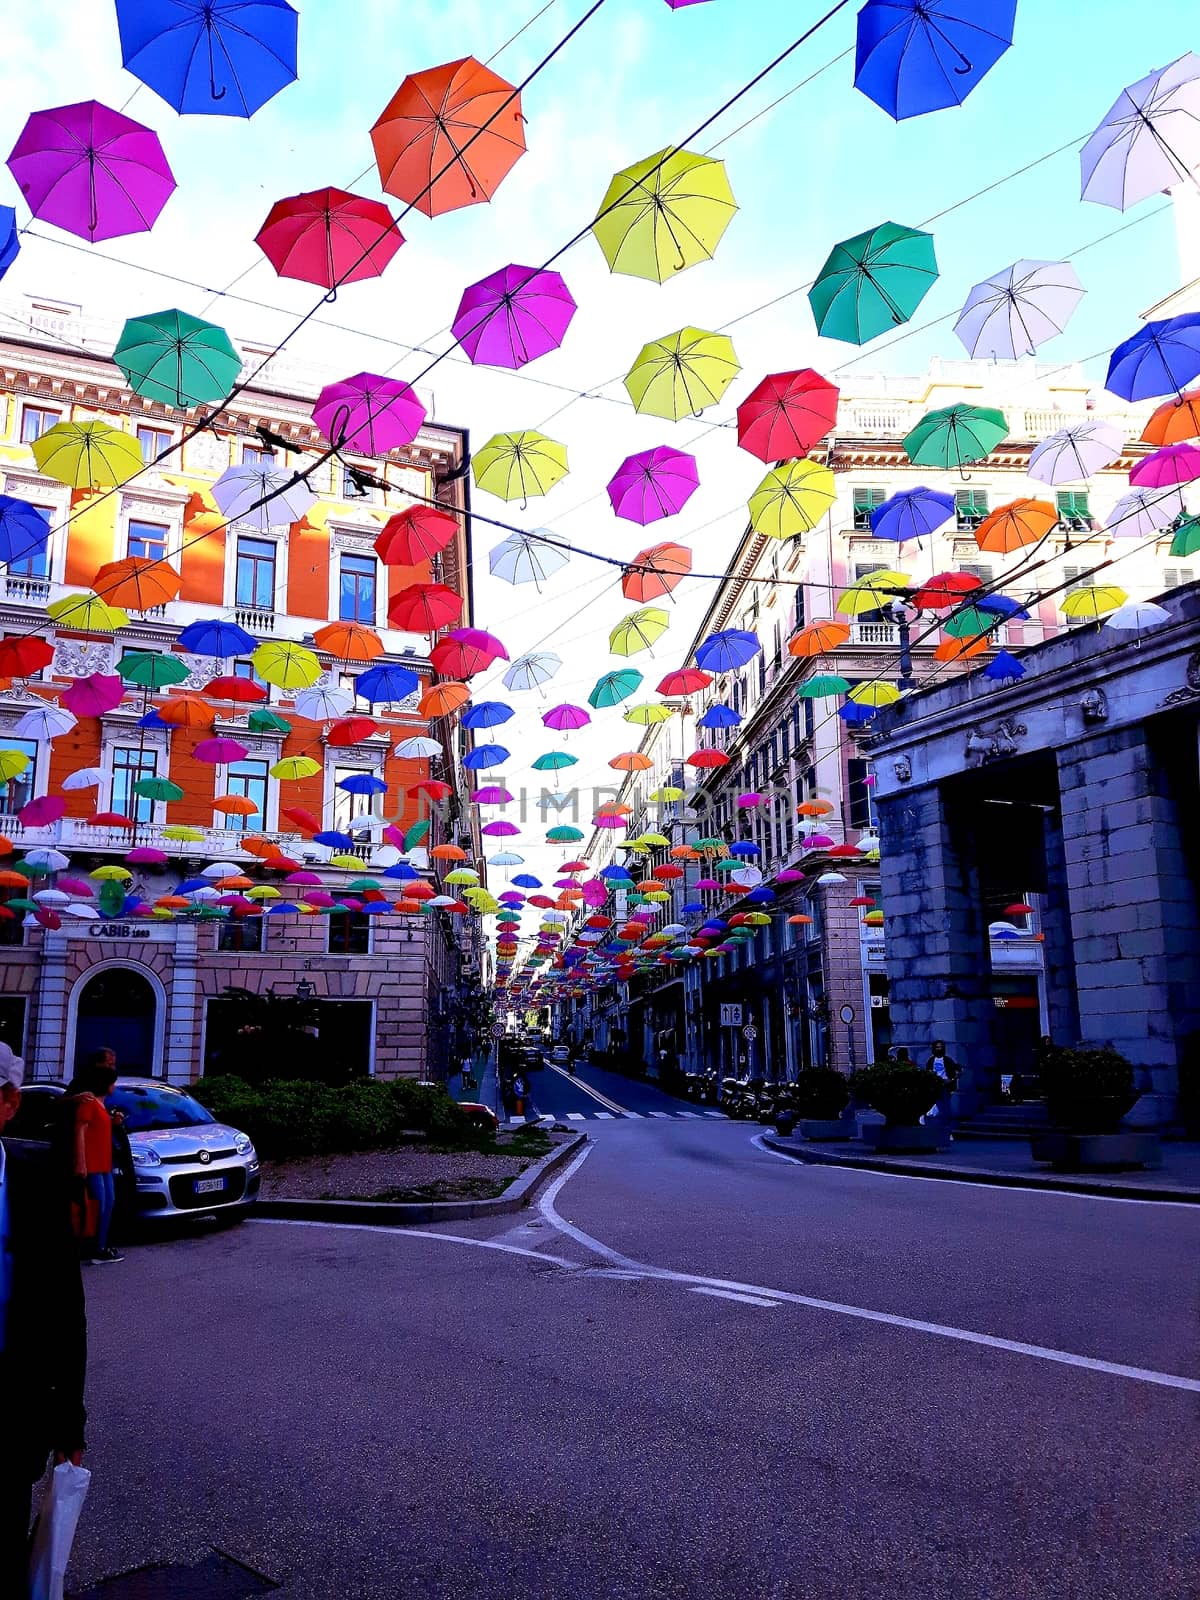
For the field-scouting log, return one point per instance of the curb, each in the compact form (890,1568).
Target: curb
(1112,1188)
(394,1213)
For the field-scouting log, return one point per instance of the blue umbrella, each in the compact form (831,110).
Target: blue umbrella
(386,683)
(1000,605)
(744,847)
(761,896)
(911,514)
(1003,668)
(153,720)
(719,716)
(486,755)
(526,880)
(1161,358)
(727,651)
(613,874)
(362,783)
(401,870)
(694,908)
(212,637)
(24,530)
(487,714)
(221,58)
(856,714)
(916,56)
(190,885)
(10,241)
(375,908)
(334,839)
(285,908)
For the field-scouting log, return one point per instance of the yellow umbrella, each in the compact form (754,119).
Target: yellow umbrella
(516,465)
(654,841)
(1092,601)
(87,612)
(647,715)
(874,694)
(12,763)
(182,834)
(87,455)
(681,373)
(667,795)
(638,631)
(792,499)
(756,919)
(263,891)
(112,874)
(286,665)
(871,592)
(463,875)
(344,859)
(297,767)
(664,214)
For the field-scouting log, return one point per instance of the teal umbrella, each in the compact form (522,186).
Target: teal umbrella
(955,435)
(554,761)
(157,789)
(177,358)
(823,687)
(970,622)
(614,687)
(149,670)
(873,282)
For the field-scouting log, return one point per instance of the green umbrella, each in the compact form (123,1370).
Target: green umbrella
(873,282)
(261,720)
(152,671)
(1186,539)
(614,687)
(416,833)
(554,761)
(22,905)
(823,687)
(564,835)
(157,789)
(31,869)
(970,622)
(176,358)
(955,435)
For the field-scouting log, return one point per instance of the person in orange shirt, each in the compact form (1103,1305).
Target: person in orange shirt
(93,1146)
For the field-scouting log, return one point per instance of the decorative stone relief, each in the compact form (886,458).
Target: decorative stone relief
(78,658)
(984,746)
(902,769)
(207,452)
(201,670)
(1191,690)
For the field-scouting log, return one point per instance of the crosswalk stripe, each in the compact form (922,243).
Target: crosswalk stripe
(720,1114)
(603,1116)
(576,1116)
(692,1114)
(659,1113)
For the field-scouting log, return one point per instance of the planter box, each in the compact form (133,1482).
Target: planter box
(893,1141)
(1097,1152)
(815,1128)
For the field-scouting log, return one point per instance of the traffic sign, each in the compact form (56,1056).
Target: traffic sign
(847,1015)
(731,1016)
(497,1030)
(749,1031)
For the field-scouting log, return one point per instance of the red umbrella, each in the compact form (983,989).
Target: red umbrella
(349,730)
(23,654)
(425,607)
(233,688)
(787,414)
(109,819)
(329,237)
(302,819)
(945,590)
(415,535)
(656,571)
(688,680)
(465,652)
(435,788)
(708,758)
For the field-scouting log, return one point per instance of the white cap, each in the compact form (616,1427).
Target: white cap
(12,1068)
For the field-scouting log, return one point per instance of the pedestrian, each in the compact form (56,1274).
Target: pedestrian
(948,1071)
(43,1329)
(91,1136)
(902,1057)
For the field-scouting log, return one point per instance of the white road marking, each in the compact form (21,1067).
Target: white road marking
(576,1116)
(414,1233)
(719,1114)
(725,1294)
(605,1116)
(692,1114)
(658,1113)
(587,1089)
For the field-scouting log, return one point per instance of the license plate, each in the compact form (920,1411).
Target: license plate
(209,1185)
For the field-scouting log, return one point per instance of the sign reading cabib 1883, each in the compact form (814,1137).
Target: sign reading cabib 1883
(116,930)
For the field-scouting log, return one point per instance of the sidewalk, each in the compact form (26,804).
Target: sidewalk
(1008,1163)
(488,1092)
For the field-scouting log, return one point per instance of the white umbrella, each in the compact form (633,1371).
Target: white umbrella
(505,858)
(363,823)
(440,901)
(47,722)
(221,869)
(746,877)
(1133,616)
(44,856)
(1009,315)
(418,748)
(201,895)
(324,704)
(78,909)
(51,897)
(1150,139)
(531,670)
(1144,513)
(831,877)
(84,778)
(1076,453)
(261,497)
(527,558)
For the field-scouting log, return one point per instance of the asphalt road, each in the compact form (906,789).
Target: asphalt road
(694,1370)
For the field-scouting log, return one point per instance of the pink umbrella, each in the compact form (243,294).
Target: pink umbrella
(706,883)
(91,171)
(76,886)
(1172,465)
(369,414)
(817,841)
(92,697)
(304,878)
(393,836)
(40,812)
(749,800)
(565,719)
(609,822)
(492,794)
(789,875)
(220,752)
(513,316)
(653,484)
(319,897)
(500,830)
(144,855)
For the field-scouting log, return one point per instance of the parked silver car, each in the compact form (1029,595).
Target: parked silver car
(184,1162)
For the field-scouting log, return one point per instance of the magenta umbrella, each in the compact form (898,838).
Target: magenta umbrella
(1174,464)
(144,855)
(564,719)
(492,794)
(653,484)
(513,317)
(42,811)
(369,414)
(750,799)
(219,752)
(501,830)
(92,171)
(607,821)
(92,697)
(817,841)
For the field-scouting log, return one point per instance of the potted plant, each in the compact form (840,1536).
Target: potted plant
(821,1095)
(903,1093)
(1089,1090)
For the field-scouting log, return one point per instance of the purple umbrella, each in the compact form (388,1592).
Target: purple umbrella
(513,316)
(500,830)
(219,752)
(92,697)
(39,812)
(92,171)
(653,484)
(563,719)
(369,414)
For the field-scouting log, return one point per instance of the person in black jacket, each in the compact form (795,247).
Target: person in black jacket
(43,1329)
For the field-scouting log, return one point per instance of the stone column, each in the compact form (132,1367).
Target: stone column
(1062,1000)
(50,1026)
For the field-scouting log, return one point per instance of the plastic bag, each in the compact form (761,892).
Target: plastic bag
(54,1533)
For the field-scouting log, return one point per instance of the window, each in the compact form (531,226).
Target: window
(244,935)
(347,805)
(35,420)
(148,539)
(353,490)
(254,455)
(866,501)
(1073,510)
(1077,578)
(246,669)
(154,442)
(248,778)
(976,569)
(859,793)
(356,589)
(349,934)
(970,508)
(36,564)
(1176,577)
(255,581)
(127,767)
(20,790)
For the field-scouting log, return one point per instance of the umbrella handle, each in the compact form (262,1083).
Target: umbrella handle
(217,94)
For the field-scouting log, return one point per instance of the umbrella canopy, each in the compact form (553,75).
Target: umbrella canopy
(329,237)
(1144,512)
(513,316)
(261,497)
(531,670)
(24,530)
(10,238)
(44,722)
(150,670)
(818,637)
(1185,540)
(213,637)
(955,435)
(526,558)
(1013,526)
(93,696)
(293,767)
(682,373)
(369,414)
(414,536)
(486,755)
(137,583)
(614,687)
(1003,668)
(648,714)
(84,778)
(554,761)
(1173,464)
(176,358)
(656,571)
(487,714)
(792,499)
(638,631)
(1175,421)
(517,465)
(915,56)
(971,621)
(1013,313)
(324,703)
(449,136)
(418,748)
(566,718)
(223,58)
(911,514)
(873,282)
(1135,615)
(384,683)
(425,607)
(88,613)
(349,641)
(91,171)
(187,711)
(664,214)
(157,789)
(946,590)
(350,730)
(1092,601)
(1076,453)
(787,414)
(87,455)
(653,484)
(286,665)
(720,716)
(684,681)
(1148,141)
(727,651)
(465,651)
(1160,358)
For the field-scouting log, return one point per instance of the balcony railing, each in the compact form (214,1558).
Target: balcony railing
(875,633)
(31,591)
(255,619)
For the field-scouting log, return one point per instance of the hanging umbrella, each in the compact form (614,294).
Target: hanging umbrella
(10,238)
(823,686)
(88,613)
(915,56)
(526,558)
(566,718)
(487,714)
(449,136)
(728,650)
(911,514)
(385,683)
(261,497)
(349,641)
(186,711)
(1185,540)
(1145,512)
(44,722)
(329,238)
(1175,422)
(971,621)
(93,696)
(873,282)
(12,764)
(719,717)
(42,810)
(414,536)
(682,373)
(792,499)
(513,316)
(1003,668)
(137,583)
(649,714)
(656,571)
(531,670)
(293,767)
(818,637)
(350,730)
(631,761)
(465,651)
(1076,453)
(369,414)
(425,607)
(787,414)
(1173,464)
(177,358)
(518,465)
(161,789)
(24,530)
(214,637)
(1160,358)
(362,783)
(684,681)
(554,761)
(324,704)
(1014,526)
(614,687)
(1135,615)
(91,171)
(222,58)
(1013,313)
(653,484)
(286,665)
(871,593)
(955,435)
(638,631)
(1148,141)
(664,214)
(1090,602)
(87,455)
(486,755)
(945,591)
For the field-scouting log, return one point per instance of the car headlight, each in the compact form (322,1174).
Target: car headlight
(243,1145)
(146,1156)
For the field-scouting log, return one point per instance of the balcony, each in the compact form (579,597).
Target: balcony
(885,633)
(255,619)
(75,833)
(29,591)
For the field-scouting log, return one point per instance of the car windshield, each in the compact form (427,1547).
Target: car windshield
(156,1106)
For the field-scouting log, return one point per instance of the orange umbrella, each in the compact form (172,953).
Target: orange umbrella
(238,881)
(265,849)
(813,808)
(1012,527)
(449,136)
(1175,421)
(136,584)
(443,700)
(420,890)
(447,852)
(408,906)
(818,637)
(615,808)
(172,902)
(235,805)
(349,640)
(656,571)
(799,920)
(13,880)
(959,649)
(6,846)
(187,711)
(631,761)
(685,852)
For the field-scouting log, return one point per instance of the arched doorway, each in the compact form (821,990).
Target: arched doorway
(117,1007)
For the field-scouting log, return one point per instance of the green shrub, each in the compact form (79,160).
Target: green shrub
(820,1093)
(1087,1088)
(902,1093)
